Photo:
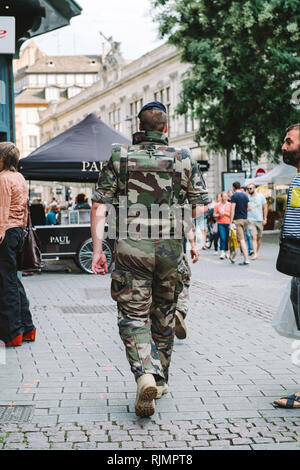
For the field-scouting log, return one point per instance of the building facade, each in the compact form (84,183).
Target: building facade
(120,92)
(40,82)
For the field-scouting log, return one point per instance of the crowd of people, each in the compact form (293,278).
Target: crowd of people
(53,208)
(242,209)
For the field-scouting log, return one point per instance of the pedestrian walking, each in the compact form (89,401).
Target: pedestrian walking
(222,214)
(214,224)
(257,217)
(238,215)
(15,316)
(247,231)
(291,233)
(201,224)
(146,281)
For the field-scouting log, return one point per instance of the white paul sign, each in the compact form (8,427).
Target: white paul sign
(7,35)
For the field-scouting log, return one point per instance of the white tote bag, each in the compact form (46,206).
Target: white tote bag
(284,321)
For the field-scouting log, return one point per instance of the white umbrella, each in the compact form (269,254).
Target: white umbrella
(281,174)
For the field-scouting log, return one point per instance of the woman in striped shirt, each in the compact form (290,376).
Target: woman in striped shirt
(15,317)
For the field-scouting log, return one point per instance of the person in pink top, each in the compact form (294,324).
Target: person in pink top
(222,214)
(15,317)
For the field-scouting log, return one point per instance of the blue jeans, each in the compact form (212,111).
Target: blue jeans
(249,240)
(224,235)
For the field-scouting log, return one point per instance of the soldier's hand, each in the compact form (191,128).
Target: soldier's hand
(194,254)
(99,263)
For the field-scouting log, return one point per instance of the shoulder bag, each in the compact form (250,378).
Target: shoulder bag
(29,255)
(288,261)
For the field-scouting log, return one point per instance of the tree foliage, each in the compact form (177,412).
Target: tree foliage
(245,64)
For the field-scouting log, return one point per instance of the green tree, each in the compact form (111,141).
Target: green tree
(245,64)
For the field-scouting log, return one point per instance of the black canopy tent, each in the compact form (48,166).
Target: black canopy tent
(75,155)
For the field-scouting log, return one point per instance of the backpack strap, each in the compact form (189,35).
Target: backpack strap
(123,170)
(177,176)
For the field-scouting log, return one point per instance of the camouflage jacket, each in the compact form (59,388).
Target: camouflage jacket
(110,187)
(113,182)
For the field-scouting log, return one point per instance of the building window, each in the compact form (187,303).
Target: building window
(135,108)
(33,143)
(41,78)
(114,118)
(61,79)
(89,79)
(52,94)
(73,91)
(51,79)
(33,80)
(70,79)
(189,123)
(79,79)
(164,96)
(32,116)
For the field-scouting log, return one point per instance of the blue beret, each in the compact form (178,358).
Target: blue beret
(153,105)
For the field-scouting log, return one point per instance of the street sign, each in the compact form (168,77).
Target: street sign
(260,172)
(203,165)
(7,35)
(230,177)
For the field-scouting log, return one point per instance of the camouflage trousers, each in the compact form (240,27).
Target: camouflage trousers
(183,298)
(146,283)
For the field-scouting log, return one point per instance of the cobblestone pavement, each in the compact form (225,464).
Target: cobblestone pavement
(224,376)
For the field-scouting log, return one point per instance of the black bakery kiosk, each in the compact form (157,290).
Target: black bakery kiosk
(76,155)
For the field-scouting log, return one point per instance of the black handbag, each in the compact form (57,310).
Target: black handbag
(29,254)
(288,261)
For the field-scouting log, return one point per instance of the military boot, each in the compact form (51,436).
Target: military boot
(146,392)
(161,390)
(180,328)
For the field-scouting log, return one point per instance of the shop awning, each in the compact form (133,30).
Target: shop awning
(75,155)
(281,174)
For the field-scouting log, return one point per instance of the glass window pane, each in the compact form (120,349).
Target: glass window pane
(52,79)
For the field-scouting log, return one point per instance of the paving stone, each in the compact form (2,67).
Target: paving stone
(226,381)
(132,445)
(15,437)
(15,446)
(120,437)
(241,441)
(85,446)
(62,446)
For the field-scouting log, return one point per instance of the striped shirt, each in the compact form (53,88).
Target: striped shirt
(13,200)
(291,224)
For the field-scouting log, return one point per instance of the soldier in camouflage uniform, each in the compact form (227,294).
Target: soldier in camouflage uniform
(146,281)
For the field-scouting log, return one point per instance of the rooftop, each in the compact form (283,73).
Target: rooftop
(34,96)
(64,64)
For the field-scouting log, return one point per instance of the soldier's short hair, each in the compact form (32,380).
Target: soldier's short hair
(10,156)
(153,120)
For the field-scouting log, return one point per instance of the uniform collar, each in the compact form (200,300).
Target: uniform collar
(149,136)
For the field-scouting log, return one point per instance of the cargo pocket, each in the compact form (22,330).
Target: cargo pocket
(182,273)
(295,198)
(121,286)
(141,290)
